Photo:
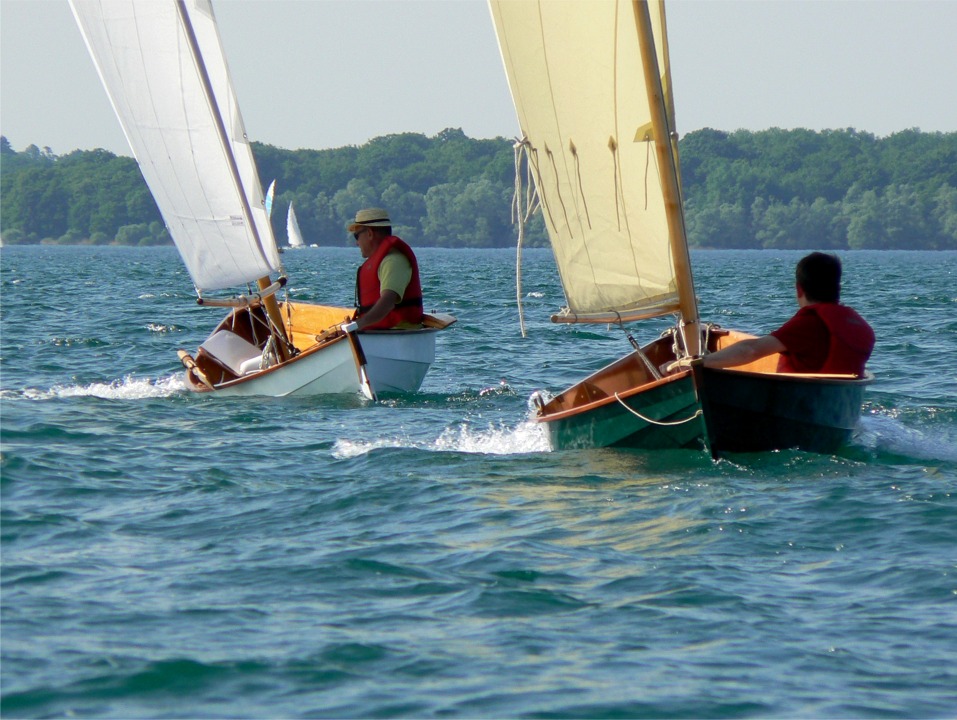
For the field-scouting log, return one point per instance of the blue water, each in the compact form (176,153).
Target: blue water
(179,556)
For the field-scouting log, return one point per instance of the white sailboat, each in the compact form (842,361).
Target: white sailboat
(292,229)
(270,195)
(591,84)
(162,64)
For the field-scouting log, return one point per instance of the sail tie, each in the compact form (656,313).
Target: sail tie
(524,203)
(581,187)
(558,192)
(613,146)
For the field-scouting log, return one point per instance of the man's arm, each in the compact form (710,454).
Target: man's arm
(383,306)
(740,353)
(744,352)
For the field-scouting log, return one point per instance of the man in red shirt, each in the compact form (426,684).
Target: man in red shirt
(823,336)
(388,288)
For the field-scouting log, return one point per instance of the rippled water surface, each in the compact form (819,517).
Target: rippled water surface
(172,555)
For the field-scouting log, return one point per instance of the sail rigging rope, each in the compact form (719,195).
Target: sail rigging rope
(662,423)
(523,205)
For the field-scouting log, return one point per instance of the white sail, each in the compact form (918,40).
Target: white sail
(270,194)
(292,229)
(163,67)
(577,80)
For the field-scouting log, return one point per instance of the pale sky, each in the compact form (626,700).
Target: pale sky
(328,73)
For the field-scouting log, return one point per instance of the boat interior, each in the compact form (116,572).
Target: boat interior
(632,373)
(237,345)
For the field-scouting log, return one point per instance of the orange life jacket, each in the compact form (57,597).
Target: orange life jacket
(850,345)
(409,308)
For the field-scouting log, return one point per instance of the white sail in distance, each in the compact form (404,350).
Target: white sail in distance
(292,229)
(577,81)
(163,67)
(270,194)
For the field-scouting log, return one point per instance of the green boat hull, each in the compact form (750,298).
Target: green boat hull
(755,412)
(663,417)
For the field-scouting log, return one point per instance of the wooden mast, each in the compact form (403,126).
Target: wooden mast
(668,168)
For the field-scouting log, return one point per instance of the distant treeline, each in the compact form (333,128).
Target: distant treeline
(835,189)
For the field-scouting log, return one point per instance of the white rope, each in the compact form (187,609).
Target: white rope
(521,216)
(657,422)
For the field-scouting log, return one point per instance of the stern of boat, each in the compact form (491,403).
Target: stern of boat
(754,408)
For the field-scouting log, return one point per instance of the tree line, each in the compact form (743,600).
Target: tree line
(833,189)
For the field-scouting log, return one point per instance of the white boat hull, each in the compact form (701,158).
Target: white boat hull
(329,370)
(396,360)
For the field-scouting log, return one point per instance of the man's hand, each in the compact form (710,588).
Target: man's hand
(349,327)
(680,364)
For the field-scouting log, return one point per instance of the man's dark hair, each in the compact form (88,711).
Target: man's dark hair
(819,275)
(383,231)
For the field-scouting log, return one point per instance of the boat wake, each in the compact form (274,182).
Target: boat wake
(528,437)
(888,434)
(129,388)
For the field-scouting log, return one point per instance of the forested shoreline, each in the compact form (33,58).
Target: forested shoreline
(783,189)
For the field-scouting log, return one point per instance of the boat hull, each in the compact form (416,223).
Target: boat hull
(759,411)
(751,408)
(330,369)
(625,405)
(664,416)
(398,360)
(326,362)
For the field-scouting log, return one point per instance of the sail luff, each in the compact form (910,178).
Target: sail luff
(269,302)
(575,73)
(220,126)
(661,114)
(149,69)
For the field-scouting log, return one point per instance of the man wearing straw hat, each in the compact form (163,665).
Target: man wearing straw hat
(388,289)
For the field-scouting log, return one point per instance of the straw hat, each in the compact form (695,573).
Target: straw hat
(371,217)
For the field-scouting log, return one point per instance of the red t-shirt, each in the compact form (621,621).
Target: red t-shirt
(807,339)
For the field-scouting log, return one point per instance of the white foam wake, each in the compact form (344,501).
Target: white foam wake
(882,432)
(129,388)
(527,437)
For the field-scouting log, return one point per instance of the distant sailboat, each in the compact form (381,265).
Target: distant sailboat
(270,194)
(591,83)
(163,68)
(292,229)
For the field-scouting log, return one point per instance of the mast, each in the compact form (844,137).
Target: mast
(667,162)
(269,302)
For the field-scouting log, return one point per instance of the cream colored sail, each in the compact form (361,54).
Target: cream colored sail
(163,67)
(577,80)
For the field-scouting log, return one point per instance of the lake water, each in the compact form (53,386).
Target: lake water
(172,555)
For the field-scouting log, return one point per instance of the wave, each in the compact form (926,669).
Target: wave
(526,438)
(888,434)
(129,388)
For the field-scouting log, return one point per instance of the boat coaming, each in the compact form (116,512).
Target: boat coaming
(624,405)
(759,411)
(325,363)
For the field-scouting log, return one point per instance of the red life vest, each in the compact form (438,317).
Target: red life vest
(850,345)
(409,308)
